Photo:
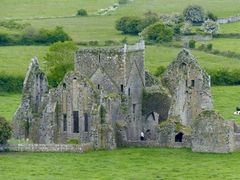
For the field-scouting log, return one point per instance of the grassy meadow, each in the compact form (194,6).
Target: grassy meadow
(131,163)
(8,105)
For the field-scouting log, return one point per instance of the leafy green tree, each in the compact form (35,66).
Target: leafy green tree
(128,24)
(147,21)
(158,32)
(5,130)
(194,14)
(59,60)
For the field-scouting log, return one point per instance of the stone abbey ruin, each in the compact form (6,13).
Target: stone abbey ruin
(110,99)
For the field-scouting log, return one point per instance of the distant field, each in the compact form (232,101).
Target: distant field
(97,28)
(161,56)
(14,60)
(226,99)
(230,28)
(46,8)
(128,163)
(224,44)
(221,8)
(8,105)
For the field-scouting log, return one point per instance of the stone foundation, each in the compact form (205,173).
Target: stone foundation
(48,147)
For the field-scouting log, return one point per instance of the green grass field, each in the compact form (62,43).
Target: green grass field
(230,28)
(224,44)
(46,8)
(131,163)
(8,105)
(14,60)
(156,56)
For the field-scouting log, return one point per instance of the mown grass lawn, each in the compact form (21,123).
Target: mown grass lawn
(130,163)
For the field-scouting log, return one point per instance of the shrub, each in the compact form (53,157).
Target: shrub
(124,40)
(186,28)
(82,12)
(10,83)
(160,70)
(158,32)
(5,130)
(122,1)
(13,25)
(110,43)
(73,141)
(147,21)
(209,46)
(224,76)
(191,43)
(51,36)
(4,39)
(194,14)
(211,16)
(128,24)
(210,26)
(93,43)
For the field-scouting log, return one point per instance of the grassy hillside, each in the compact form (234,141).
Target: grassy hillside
(8,105)
(224,44)
(220,8)
(45,8)
(161,56)
(14,60)
(131,163)
(230,28)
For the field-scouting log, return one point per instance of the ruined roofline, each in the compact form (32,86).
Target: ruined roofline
(121,49)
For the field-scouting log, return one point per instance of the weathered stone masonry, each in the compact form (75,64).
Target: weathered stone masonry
(109,99)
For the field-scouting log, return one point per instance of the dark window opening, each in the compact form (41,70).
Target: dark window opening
(134,108)
(64,85)
(64,122)
(153,116)
(41,76)
(186,83)
(85,122)
(75,122)
(98,86)
(75,78)
(129,91)
(122,88)
(192,83)
(178,137)
(183,66)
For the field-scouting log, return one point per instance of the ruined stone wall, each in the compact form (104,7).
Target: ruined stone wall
(189,86)
(211,133)
(48,147)
(34,89)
